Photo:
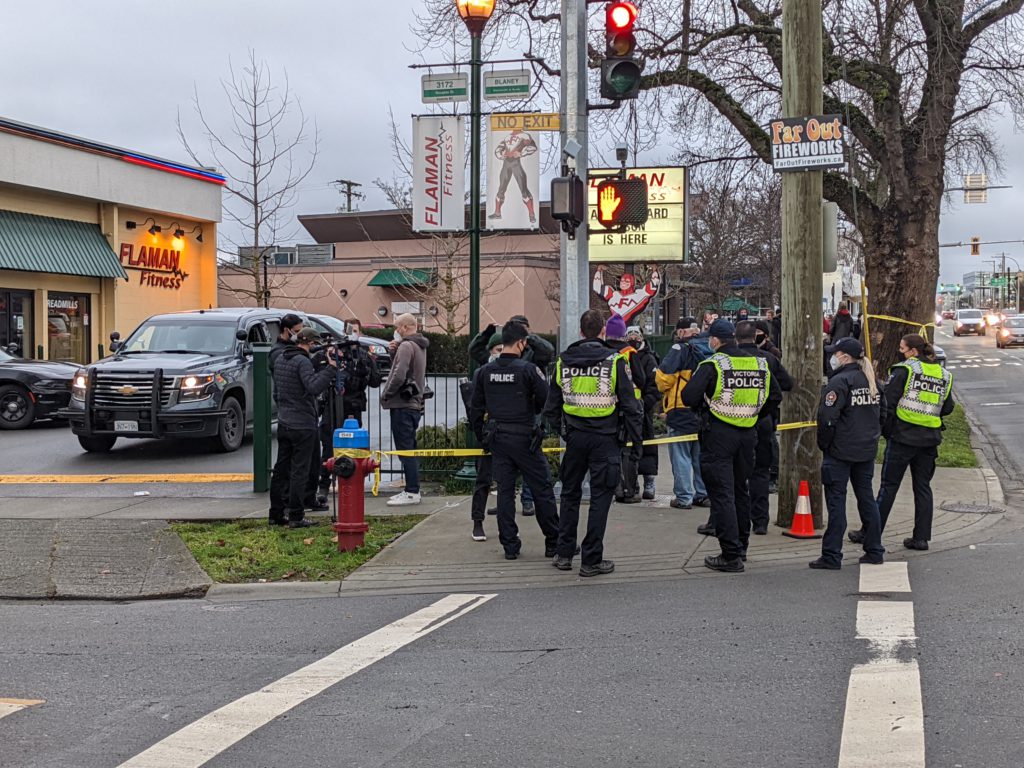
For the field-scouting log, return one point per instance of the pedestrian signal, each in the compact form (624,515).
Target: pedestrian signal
(622,203)
(620,72)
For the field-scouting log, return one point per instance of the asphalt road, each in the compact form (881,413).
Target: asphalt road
(49,447)
(991,381)
(724,671)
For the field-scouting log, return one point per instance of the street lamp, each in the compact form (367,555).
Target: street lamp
(475,13)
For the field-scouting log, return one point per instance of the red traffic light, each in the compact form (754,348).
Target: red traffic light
(621,16)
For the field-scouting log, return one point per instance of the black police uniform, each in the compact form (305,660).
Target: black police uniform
(510,392)
(647,385)
(764,451)
(848,432)
(907,445)
(592,445)
(726,456)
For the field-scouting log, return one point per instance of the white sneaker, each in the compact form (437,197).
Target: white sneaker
(403,499)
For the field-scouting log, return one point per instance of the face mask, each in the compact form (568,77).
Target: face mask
(833,362)
(397,336)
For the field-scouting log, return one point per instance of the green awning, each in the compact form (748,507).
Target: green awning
(402,278)
(56,246)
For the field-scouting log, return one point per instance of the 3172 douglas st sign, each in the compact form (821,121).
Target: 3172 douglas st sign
(808,143)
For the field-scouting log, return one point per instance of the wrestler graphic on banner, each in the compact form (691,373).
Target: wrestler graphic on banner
(510,151)
(628,301)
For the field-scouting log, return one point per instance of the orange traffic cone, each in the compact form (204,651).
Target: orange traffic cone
(803,521)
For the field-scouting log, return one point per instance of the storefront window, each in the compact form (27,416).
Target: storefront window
(16,323)
(67,324)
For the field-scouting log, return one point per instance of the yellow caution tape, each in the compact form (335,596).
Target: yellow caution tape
(471,452)
(922,326)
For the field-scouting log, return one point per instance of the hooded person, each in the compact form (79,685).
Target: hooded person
(539,350)
(648,362)
(646,390)
(842,324)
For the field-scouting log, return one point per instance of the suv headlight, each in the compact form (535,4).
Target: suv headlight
(196,387)
(78,385)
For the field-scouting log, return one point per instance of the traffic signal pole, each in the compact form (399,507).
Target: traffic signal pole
(802,246)
(574,293)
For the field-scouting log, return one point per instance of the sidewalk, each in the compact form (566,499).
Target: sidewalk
(111,544)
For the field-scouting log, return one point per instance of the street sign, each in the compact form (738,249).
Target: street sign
(661,238)
(526,121)
(508,84)
(997,282)
(445,87)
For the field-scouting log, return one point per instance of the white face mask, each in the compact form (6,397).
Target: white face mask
(397,336)
(834,363)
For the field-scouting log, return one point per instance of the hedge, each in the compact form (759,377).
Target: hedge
(446,354)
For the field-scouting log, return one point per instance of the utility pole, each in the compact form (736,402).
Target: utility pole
(349,192)
(802,244)
(574,288)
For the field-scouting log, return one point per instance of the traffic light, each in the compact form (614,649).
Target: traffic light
(568,202)
(620,72)
(975,246)
(622,203)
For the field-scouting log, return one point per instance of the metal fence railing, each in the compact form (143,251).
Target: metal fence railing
(444,409)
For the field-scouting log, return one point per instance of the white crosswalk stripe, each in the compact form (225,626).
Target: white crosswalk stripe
(201,741)
(12,706)
(884,719)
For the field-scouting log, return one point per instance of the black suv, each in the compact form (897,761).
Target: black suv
(187,374)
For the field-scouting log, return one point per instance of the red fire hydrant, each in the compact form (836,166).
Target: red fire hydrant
(351,474)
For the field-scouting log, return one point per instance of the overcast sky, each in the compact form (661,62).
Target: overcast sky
(118,71)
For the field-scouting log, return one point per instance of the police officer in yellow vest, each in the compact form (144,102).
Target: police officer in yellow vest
(918,395)
(591,401)
(730,390)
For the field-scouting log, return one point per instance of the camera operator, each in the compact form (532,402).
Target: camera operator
(402,396)
(297,385)
(291,324)
(361,372)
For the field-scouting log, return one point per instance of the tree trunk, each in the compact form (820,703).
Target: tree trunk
(902,272)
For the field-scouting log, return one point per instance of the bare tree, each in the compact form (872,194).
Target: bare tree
(266,153)
(916,81)
(447,259)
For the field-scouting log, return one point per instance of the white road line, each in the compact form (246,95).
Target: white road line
(888,577)
(204,739)
(10,706)
(884,720)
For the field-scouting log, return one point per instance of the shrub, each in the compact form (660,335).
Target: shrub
(439,437)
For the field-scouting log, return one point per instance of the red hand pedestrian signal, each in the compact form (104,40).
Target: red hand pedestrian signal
(622,203)
(608,202)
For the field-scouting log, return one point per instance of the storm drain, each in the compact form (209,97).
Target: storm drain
(967,508)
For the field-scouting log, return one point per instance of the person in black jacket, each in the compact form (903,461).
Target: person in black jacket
(511,393)
(361,372)
(918,396)
(538,350)
(297,386)
(842,324)
(592,394)
(648,362)
(848,432)
(291,324)
(760,479)
(729,393)
(647,388)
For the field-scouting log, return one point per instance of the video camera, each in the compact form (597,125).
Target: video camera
(339,343)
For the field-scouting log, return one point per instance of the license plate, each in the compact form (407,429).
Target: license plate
(126,426)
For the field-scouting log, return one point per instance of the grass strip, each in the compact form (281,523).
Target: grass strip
(245,551)
(955,450)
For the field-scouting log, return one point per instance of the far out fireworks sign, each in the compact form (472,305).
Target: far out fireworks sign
(808,143)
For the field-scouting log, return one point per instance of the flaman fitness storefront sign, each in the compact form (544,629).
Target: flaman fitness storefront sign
(158,267)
